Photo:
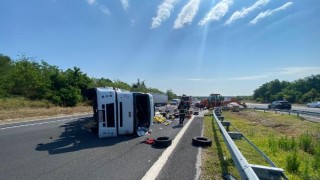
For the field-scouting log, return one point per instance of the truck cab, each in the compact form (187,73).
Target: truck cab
(117,113)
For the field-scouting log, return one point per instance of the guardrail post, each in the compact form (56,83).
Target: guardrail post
(254,109)
(298,114)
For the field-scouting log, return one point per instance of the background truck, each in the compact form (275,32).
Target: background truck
(186,100)
(160,99)
(118,113)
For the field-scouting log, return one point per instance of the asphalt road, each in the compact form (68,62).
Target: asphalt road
(62,148)
(294,107)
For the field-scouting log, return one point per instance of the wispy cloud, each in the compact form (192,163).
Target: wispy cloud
(200,80)
(125,4)
(217,12)
(105,10)
(244,78)
(91,1)
(163,13)
(187,14)
(245,11)
(281,73)
(269,12)
(299,70)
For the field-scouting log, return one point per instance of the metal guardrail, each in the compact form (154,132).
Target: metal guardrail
(246,170)
(298,112)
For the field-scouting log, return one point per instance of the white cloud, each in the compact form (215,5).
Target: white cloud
(245,11)
(270,12)
(125,4)
(200,80)
(187,14)
(306,71)
(163,13)
(105,10)
(280,73)
(218,11)
(248,77)
(91,1)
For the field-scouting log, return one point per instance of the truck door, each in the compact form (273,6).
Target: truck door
(106,113)
(125,113)
(151,106)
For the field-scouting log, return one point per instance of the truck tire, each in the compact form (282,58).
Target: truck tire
(162,142)
(201,141)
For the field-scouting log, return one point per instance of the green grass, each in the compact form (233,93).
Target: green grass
(278,136)
(216,159)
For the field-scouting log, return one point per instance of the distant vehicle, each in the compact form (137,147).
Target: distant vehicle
(280,105)
(176,100)
(186,100)
(314,104)
(160,99)
(173,103)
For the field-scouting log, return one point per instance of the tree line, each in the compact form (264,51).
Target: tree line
(300,91)
(41,81)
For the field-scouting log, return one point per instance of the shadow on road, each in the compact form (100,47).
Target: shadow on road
(76,137)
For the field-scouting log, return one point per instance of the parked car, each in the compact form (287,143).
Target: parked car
(314,104)
(280,105)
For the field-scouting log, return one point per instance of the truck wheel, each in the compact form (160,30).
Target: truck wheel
(201,141)
(162,142)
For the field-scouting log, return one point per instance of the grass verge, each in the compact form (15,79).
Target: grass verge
(20,109)
(290,142)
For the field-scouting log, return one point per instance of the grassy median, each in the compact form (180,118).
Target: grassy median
(289,141)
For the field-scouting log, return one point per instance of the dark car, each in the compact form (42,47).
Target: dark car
(280,105)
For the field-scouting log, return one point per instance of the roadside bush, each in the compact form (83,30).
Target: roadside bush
(306,172)
(272,144)
(293,163)
(286,144)
(306,143)
(316,160)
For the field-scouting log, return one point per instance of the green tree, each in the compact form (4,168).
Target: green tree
(27,80)
(5,68)
(102,82)
(121,85)
(171,94)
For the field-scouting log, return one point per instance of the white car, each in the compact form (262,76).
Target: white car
(314,104)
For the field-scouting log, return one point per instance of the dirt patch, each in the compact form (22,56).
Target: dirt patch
(27,114)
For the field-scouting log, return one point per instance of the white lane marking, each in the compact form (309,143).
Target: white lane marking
(154,171)
(198,163)
(25,125)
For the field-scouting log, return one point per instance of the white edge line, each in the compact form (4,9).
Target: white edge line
(44,118)
(198,163)
(154,171)
(25,125)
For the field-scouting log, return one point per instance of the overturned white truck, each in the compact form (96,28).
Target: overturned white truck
(117,112)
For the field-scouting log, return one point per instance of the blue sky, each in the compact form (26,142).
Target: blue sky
(195,47)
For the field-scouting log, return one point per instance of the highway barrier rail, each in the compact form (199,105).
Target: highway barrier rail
(298,112)
(246,170)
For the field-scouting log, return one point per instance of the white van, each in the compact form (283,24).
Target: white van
(119,113)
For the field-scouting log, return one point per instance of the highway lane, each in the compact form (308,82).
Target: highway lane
(181,164)
(294,107)
(63,149)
